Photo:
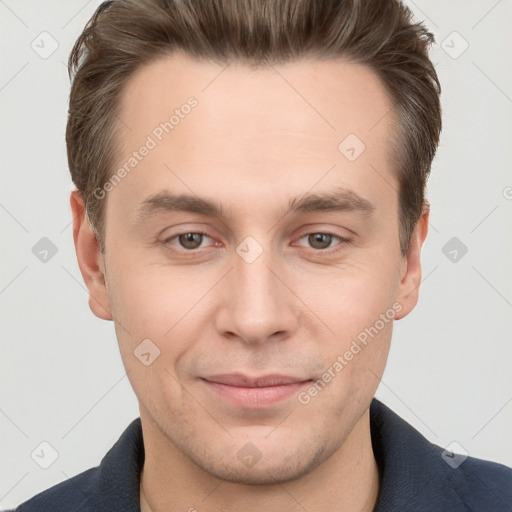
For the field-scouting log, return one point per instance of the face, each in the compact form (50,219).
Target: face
(257,235)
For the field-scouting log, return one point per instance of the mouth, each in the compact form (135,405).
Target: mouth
(254,392)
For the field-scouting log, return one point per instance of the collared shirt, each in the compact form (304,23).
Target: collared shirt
(416,476)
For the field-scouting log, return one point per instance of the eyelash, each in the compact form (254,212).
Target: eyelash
(343,241)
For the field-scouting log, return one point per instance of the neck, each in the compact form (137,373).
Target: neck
(348,480)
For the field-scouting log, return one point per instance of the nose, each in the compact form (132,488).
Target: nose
(258,304)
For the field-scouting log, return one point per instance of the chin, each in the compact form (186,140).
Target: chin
(279,468)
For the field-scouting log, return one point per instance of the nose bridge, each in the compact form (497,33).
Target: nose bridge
(259,305)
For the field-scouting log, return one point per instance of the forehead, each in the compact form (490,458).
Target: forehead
(332,96)
(284,124)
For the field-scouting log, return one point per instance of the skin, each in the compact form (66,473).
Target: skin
(252,143)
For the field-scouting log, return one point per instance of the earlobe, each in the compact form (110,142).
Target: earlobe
(410,271)
(90,259)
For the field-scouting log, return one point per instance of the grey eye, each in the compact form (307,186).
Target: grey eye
(320,240)
(190,240)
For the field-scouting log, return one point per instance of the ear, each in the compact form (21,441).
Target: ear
(410,269)
(90,259)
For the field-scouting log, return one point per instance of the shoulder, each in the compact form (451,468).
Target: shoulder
(73,495)
(420,475)
(112,485)
(480,484)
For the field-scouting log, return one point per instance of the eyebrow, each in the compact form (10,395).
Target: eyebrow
(339,200)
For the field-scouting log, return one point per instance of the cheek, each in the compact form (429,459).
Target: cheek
(151,323)
(157,303)
(351,296)
(150,298)
(356,304)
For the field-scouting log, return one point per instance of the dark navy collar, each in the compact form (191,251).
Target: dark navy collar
(417,477)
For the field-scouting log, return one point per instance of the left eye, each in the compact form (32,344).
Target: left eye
(322,241)
(193,240)
(190,240)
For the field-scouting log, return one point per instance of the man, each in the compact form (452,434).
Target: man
(250,214)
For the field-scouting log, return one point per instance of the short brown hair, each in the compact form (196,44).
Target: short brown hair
(122,35)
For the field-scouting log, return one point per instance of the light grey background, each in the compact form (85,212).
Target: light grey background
(62,380)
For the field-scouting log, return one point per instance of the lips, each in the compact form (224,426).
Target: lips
(243,381)
(254,393)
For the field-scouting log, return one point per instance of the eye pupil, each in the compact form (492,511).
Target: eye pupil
(319,238)
(190,240)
